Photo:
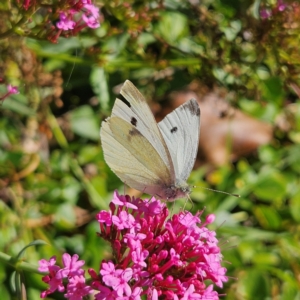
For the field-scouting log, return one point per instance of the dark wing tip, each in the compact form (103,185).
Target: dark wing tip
(193,106)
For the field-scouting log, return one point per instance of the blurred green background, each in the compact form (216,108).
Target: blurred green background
(53,179)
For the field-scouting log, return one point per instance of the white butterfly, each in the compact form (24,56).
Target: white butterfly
(154,158)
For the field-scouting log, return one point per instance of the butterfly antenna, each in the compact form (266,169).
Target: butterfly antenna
(234,195)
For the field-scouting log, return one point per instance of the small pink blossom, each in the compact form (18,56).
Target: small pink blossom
(65,22)
(281,6)
(45,264)
(190,295)
(122,201)
(10,91)
(72,266)
(77,289)
(109,273)
(51,279)
(265,13)
(125,220)
(138,257)
(104,217)
(91,16)
(122,285)
(106,293)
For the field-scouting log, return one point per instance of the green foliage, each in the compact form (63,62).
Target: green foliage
(53,178)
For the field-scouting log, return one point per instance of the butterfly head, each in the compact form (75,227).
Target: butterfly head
(175,191)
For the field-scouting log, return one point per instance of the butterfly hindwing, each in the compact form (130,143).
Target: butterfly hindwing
(181,130)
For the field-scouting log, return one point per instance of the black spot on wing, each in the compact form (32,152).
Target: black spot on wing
(174,129)
(133,132)
(133,121)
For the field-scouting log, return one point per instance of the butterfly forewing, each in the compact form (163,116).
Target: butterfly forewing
(130,155)
(138,113)
(181,130)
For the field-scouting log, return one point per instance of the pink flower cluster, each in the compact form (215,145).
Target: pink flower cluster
(76,287)
(266,13)
(153,255)
(86,14)
(74,16)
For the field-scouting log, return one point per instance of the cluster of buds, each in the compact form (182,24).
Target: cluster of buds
(154,255)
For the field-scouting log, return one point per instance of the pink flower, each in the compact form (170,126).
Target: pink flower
(91,16)
(10,91)
(134,240)
(281,6)
(104,217)
(77,289)
(265,13)
(65,22)
(125,220)
(122,285)
(122,201)
(75,16)
(72,266)
(139,256)
(106,293)
(45,264)
(190,295)
(51,279)
(109,274)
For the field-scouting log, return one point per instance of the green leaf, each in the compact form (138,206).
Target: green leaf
(99,84)
(253,284)
(267,217)
(273,90)
(88,154)
(266,258)
(270,185)
(65,216)
(255,9)
(172,26)
(289,291)
(15,104)
(295,207)
(70,189)
(114,45)
(83,122)
(232,30)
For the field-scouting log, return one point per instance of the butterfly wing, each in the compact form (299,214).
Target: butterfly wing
(132,157)
(181,131)
(137,112)
(133,145)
